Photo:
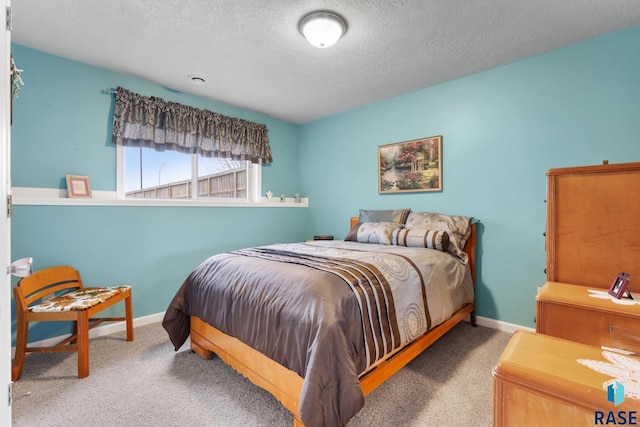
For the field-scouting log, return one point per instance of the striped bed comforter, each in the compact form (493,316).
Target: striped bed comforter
(327,310)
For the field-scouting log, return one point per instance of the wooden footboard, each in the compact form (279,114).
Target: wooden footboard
(286,385)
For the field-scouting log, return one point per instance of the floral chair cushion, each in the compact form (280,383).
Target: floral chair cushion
(78,300)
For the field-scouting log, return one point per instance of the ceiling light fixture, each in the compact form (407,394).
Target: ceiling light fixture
(322,28)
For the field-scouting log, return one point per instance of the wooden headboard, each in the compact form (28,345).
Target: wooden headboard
(469,247)
(593,224)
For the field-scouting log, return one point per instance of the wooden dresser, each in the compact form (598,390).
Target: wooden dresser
(593,233)
(593,224)
(574,313)
(539,382)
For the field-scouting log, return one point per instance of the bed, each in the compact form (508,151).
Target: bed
(282,316)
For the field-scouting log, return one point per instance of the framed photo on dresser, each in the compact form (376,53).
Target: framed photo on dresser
(620,285)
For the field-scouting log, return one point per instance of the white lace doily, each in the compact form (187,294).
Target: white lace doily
(605,295)
(624,369)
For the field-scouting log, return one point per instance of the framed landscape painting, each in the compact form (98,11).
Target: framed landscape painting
(410,166)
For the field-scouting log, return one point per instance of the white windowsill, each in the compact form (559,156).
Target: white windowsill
(28,196)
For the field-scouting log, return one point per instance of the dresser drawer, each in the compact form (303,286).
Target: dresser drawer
(571,312)
(539,381)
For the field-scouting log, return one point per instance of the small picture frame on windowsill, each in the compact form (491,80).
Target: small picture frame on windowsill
(78,187)
(620,284)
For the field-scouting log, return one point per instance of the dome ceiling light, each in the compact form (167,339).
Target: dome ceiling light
(322,28)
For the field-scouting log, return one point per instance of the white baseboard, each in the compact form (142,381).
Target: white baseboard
(501,326)
(98,331)
(153,318)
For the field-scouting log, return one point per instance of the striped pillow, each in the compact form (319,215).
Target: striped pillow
(458,227)
(421,238)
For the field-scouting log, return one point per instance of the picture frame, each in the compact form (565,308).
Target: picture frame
(620,284)
(410,166)
(78,187)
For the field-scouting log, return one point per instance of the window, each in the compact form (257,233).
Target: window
(146,173)
(187,149)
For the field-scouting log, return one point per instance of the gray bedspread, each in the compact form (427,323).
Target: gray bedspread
(305,306)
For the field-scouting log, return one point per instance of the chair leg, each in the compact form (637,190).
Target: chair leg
(128,313)
(22,337)
(74,332)
(83,344)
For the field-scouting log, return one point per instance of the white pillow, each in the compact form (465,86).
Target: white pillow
(376,232)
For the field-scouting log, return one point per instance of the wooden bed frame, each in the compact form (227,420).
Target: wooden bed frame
(286,385)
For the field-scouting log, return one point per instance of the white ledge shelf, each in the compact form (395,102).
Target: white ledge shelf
(28,196)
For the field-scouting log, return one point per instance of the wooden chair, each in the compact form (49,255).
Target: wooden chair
(71,302)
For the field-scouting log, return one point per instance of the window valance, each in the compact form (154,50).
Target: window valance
(150,122)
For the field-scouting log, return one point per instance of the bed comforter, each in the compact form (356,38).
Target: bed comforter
(328,310)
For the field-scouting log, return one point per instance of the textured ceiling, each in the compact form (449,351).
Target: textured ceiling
(253,56)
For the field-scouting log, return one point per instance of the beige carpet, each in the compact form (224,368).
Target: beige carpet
(146,383)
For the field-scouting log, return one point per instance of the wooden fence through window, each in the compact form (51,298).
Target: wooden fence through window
(227,184)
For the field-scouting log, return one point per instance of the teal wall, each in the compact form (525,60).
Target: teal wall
(62,125)
(502,130)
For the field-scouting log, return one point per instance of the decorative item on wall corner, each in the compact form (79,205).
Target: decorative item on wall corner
(410,166)
(16,80)
(16,83)
(78,187)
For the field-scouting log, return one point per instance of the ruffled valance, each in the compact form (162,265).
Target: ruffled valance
(150,122)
